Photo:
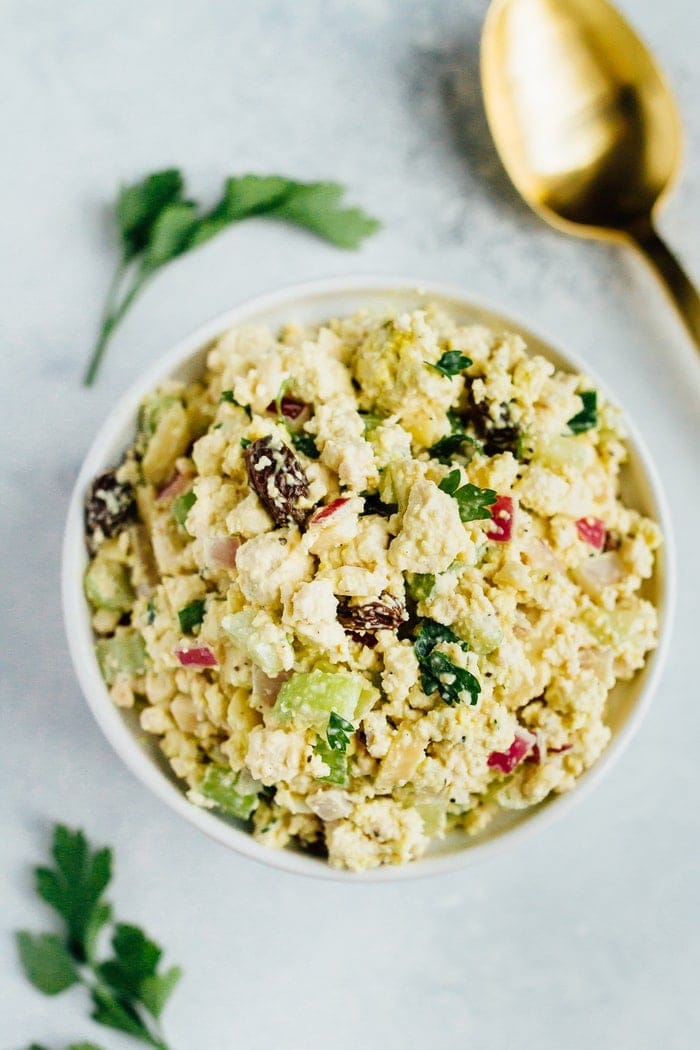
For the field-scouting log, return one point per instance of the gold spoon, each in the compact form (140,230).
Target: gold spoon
(585,125)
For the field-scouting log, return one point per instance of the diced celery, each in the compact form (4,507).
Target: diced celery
(482,633)
(152,411)
(308,698)
(234,793)
(611,626)
(264,641)
(124,653)
(434,817)
(107,585)
(556,452)
(368,698)
(181,507)
(337,762)
(420,585)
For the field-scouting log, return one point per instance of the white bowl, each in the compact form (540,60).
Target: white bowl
(310,303)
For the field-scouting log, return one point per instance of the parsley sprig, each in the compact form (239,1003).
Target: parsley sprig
(473,503)
(587,418)
(451,363)
(128,991)
(438,673)
(157,223)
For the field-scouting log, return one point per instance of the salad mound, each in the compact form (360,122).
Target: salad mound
(371,582)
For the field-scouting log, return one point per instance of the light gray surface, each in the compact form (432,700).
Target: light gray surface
(585,936)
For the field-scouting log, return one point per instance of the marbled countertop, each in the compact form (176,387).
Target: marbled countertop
(586,935)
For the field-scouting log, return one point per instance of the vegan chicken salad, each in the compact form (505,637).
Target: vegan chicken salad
(371,581)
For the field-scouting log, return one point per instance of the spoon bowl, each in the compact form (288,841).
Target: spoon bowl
(586,125)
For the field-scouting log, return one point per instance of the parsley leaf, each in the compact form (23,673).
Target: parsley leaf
(157,224)
(338,732)
(317,207)
(132,970)
(75,887)
(227,397)
(46,962)
(114,1012)
(472,502)
(587,418)
(458,441)
(190,616)
(305,443)
(124,988)
(333,750)
(451,363)
(139,206)
(438,673)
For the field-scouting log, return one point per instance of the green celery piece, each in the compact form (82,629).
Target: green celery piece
(124,653)
(107,585)
(307,699)
(152,411)
(434,817)
(182,506)
(234,793)
(420,585)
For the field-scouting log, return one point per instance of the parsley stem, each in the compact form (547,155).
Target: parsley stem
(111,318)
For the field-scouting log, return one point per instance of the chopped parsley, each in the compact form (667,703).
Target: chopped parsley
(333,750)
(375,505)
(587,418)
(245,442)
(339,732)
(473,502)
(150,611)
(457,442)
(182,506)
(228,398)
(305,443)
(451,363)
(438,673)
(191,616)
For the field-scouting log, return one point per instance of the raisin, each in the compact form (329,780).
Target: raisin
(497,435)
(110,504)
(278,478)
(362,621)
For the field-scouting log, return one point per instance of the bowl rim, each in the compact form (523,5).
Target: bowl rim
(123,739)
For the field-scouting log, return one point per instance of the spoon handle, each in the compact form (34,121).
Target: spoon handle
(673,277)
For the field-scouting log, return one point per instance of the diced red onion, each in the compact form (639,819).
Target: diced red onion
(220,551)
(500,528)
(592,531)
(506,761)
(177,484)
(330,508)
(538,754)
(197,656)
